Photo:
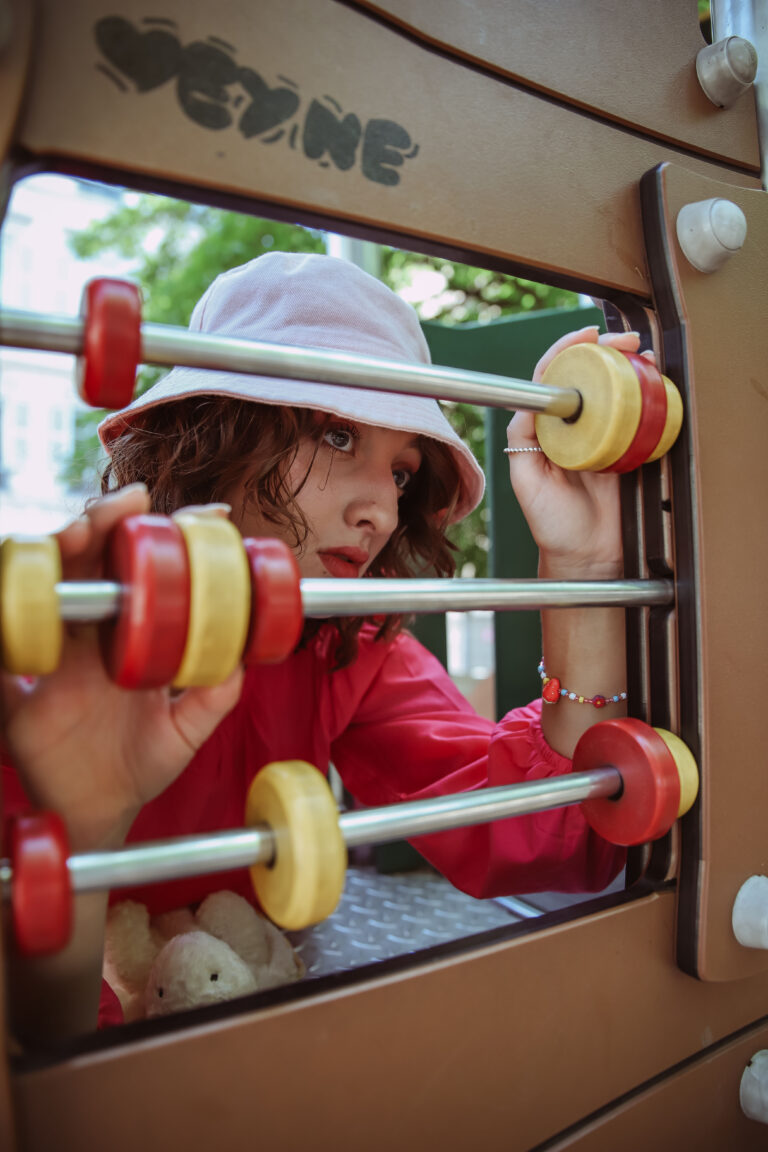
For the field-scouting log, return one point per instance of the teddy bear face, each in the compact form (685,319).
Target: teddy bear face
(195,969)
(229,949)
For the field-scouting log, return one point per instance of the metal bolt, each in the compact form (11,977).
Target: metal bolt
(711,231)
(726,69)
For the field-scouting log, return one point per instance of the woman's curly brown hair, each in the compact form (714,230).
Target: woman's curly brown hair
(194,450)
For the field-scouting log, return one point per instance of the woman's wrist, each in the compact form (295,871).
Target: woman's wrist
(99,835)
(553,567)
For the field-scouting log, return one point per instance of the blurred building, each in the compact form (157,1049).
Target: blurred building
(38,399)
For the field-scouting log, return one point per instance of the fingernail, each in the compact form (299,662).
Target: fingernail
(205,509)
(212,509)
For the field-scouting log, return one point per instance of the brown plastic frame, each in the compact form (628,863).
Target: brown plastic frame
(513,153)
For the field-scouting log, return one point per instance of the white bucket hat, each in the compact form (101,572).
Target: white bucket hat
(313,301)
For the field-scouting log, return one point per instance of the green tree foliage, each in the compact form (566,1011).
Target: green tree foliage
(464,294)
(178,248)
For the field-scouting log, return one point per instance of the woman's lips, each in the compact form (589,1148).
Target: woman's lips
(344,562)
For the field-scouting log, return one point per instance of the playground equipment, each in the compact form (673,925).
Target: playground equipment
(604,148)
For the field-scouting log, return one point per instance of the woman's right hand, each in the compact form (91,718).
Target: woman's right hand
(84,747)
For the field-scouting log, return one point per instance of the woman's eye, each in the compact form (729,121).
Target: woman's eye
(340,439)
(402,478)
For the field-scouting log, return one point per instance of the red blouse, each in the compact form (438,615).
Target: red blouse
(396,728)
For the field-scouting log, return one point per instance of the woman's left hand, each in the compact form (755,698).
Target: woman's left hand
(574,517)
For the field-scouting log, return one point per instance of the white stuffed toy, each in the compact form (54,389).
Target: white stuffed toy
(163,964)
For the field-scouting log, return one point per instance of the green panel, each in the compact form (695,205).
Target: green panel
(508,347)
(430,630)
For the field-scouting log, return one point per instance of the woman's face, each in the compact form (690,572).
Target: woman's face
(349,497)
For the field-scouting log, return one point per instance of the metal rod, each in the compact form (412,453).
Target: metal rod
(100,599)
(370,597)
(162,860)
(88,600)
(169,345)
(158,861)
(439,813)
(749,19)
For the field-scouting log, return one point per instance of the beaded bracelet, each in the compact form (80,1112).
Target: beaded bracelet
(552,692)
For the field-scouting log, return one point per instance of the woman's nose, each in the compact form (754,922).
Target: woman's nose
(375,506)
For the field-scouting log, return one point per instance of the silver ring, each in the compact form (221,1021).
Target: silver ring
(509,451)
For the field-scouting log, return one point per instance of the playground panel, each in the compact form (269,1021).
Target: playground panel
(634,67)
(514,162)
(534,1031)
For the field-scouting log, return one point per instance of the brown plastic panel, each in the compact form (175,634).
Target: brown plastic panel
(7,1126)
(634,63)
(14,70)
(695,1107)
(512,1044)
(715,345)
(494,172)
(501,1048)
(14,67)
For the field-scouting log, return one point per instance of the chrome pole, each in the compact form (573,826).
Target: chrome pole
(369,597)
(169,345)
(100,599)
(749,19)
(162,860)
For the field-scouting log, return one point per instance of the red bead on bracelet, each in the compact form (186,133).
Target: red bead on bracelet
(552,692)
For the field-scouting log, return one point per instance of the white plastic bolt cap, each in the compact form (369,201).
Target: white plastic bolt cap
(710,231)
(726,69)
(753,1091)
(749,915)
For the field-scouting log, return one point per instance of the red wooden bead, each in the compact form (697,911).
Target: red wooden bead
(650,797)
(653,415)
(143,645)
(598,701)
(106,368)
(277,614)
(41,896)
(551,691)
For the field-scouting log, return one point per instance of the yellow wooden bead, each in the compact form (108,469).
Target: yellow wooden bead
(31,632)
(220,600)
(304,883)
(673,422)
(687,769)
(610,409)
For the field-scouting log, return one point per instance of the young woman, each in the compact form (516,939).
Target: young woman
(357,483)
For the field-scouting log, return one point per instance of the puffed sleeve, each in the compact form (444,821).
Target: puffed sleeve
(414,735)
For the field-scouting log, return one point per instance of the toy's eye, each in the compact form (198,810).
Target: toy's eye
(214,975)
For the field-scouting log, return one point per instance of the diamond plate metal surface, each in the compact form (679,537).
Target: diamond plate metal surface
(380,916)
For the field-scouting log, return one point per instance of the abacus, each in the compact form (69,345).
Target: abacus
(598,410)
(648,195)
